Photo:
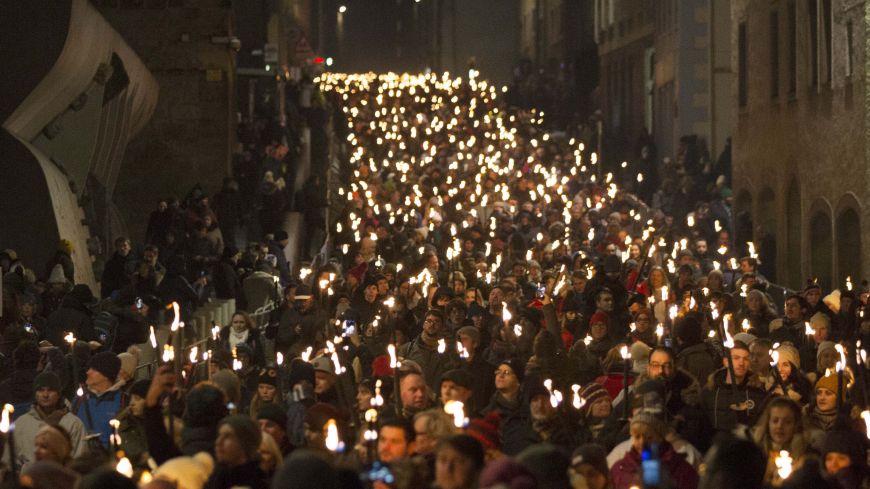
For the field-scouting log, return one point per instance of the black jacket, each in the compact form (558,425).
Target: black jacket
(117,273)
(72,316)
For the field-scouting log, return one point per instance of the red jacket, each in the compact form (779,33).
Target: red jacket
(612,383)
(675,471)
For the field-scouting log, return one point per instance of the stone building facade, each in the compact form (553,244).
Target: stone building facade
(800,145)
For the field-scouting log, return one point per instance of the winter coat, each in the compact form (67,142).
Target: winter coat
(718,396)
(72,316)
(254,340)
(227,284)
(117,273)
(482,381)
(133,441)
(515,423)
(674,470)
(96,410)
(682,447)
(696,360)
(434,364)
(28,425)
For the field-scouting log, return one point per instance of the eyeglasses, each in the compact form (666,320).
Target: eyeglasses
(504,372)
(431,321)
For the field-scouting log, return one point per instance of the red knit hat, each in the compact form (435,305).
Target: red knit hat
(485,430)
(600,317)
(381,367)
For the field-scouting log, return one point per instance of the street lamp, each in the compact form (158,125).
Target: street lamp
(342,9)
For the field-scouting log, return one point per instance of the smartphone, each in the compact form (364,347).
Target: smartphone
(349,327)
(541,291)
(668,342)
(139,303)
(651,467)
(379,473)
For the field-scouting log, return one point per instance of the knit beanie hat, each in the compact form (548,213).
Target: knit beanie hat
(485,430)
(187,472)
(517,366)
(825,345)
(247,432)
(47,379)
(600,317)
(273,412)
(106,363)
(639,357)
(381,367)
(592,454)
(268,376)
(790,353)
(591,393)
(129,361)
(49,474)
(828,382)
(653,420)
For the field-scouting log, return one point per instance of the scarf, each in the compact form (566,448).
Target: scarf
(236,338)
(825,418)
(53,418)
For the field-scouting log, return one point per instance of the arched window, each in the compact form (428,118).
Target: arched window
(792,273)
(821,249)
(848,246)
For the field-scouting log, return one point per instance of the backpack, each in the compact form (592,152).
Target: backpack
(105,329)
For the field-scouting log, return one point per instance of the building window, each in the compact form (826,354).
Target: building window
(774,55)
(813,19)
(792,49)
(849,48)
(742,75)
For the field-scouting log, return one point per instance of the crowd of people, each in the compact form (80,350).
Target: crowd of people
(493,309)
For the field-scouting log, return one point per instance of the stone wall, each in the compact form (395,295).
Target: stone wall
(800,158)
(190,139)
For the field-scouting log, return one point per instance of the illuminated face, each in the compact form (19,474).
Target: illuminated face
(826,400)
(642,435)
(793,309)
(660,366)
(414,391)
(392,444)
(781,425)
(812,296)
(266,392)
(451,391)
(836,461)
(740,359)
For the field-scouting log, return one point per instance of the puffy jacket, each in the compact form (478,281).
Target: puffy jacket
(96,410)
